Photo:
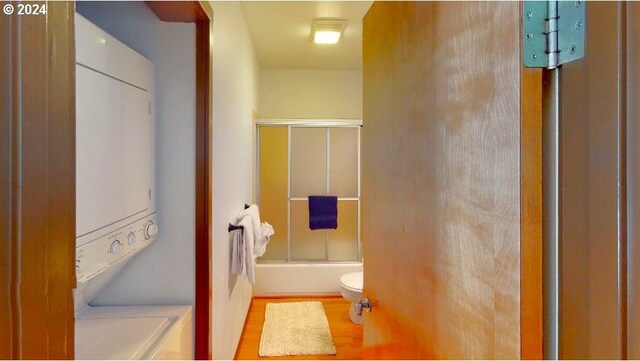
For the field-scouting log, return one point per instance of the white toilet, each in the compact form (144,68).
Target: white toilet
(351,288)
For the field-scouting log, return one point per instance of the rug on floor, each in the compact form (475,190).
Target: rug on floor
(296,328)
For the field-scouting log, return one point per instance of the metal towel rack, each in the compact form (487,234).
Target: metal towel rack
(234,228)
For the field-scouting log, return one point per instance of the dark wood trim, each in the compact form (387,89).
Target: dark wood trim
(203,193)
(37,176)
(179,11)
(200,13)
(632,258)
(623,207)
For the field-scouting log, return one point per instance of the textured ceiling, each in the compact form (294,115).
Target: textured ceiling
(281,33)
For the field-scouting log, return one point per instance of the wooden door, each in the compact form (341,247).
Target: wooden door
(451,163)
(37,183)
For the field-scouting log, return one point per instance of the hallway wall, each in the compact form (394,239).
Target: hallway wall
(235,99)
(286,93)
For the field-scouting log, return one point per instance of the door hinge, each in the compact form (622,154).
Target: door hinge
(553,32)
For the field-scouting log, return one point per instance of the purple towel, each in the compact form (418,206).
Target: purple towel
(323,212)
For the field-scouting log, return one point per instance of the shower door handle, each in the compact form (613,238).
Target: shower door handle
(363,304)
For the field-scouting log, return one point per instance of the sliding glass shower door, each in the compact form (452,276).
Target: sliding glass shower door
(298,159)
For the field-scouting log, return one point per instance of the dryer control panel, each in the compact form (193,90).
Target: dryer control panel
(95,256)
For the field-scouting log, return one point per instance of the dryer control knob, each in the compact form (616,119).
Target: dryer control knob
(115,248)
(131,238)
(150,230)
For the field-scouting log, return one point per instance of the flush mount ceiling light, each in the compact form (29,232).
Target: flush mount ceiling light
(327,31)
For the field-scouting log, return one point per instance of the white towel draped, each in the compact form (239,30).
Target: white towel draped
(261,244)
(249,243)
(237,252)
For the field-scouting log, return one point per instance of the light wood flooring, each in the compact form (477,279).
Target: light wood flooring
(347,336)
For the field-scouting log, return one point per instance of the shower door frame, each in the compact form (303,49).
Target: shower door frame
(311,123)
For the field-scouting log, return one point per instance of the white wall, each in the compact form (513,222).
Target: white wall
(332,94)
(235,98)
(164,272)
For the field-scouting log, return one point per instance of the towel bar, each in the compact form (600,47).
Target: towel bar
(234,228)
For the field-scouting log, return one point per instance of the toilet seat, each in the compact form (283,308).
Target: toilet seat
(352,281)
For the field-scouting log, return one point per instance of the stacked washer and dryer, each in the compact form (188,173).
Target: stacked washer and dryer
(115,201)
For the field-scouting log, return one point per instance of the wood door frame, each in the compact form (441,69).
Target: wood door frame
(592,226)
(37,178)
(200,13)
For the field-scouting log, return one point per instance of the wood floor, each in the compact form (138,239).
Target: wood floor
(347,336)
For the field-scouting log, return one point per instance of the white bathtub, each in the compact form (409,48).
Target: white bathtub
(290,279)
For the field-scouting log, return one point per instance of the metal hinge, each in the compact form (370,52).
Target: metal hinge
(553,32)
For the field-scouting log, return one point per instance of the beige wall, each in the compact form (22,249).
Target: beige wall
(329,94)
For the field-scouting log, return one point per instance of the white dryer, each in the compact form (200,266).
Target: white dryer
(115,201)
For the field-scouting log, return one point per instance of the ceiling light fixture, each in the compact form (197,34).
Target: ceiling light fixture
(327,31)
